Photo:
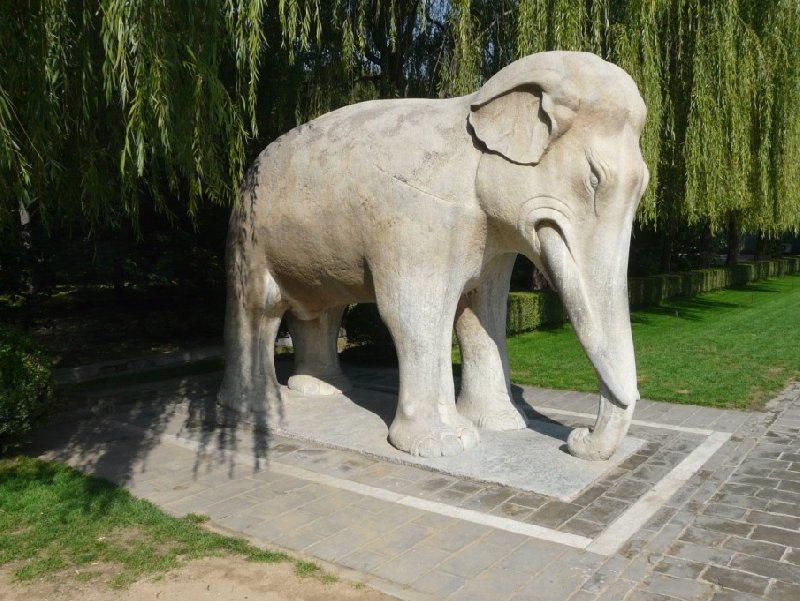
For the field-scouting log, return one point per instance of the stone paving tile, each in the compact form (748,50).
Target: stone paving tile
(731,532)
(439,584)
(406,568)
(364,560)
(736,580)
(492,583)
(458,536)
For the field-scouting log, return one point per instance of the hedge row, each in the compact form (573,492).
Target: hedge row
(658,288)
(530,310)
(26,387)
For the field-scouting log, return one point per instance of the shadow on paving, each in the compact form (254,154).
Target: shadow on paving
(112,433)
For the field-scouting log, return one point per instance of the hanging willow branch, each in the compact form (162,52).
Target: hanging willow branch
(104,103)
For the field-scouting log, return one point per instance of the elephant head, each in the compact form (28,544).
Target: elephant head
(562,174)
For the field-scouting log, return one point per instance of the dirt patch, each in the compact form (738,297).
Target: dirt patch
(213,579)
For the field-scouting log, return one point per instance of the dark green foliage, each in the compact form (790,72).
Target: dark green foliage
(364,326)
(530,310)
(654,290)
(26,387)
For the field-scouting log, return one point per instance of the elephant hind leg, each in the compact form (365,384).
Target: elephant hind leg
(252,318)
(485,397)
(316,356)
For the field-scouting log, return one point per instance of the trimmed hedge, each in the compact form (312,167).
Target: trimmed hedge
(26,387)
(659,288)
(530,310)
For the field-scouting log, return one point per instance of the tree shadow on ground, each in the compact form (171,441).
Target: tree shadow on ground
(117,433)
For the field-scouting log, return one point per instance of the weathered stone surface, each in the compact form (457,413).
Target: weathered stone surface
(529,460)
(421,206)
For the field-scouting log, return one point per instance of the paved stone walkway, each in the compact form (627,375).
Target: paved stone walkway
(719,492)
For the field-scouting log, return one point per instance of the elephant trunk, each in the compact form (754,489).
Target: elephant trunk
(595,294)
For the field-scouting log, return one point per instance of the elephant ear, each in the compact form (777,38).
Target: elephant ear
(519,112)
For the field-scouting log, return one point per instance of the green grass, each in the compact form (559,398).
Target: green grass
(53,518)
(733,348)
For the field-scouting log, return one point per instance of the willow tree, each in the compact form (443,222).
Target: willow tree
(106,103)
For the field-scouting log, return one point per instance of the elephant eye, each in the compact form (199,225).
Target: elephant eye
(594,180)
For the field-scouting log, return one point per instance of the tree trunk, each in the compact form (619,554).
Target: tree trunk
(733,241)
(26,263)
(539,281)
(762,247)
(666,251)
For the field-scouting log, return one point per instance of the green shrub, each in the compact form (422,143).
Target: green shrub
(26,387)
(529,310)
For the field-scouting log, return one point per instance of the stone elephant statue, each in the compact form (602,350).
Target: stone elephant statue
(421,206)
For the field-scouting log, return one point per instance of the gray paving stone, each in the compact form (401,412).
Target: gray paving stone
(731,595)
(439,584)
(364,560)
(554,513)
(552,584)
(604,510)
(458,536)
(754,547)
(229,507)
(504,539)
(335,546)
(736,580)
(617,590)
(773,519)
(472,559)
(401,539)
(782,591)
(679,568)
(640,595)
(301,538)
(406,568)
(775,535)
(722,510)
(786,572)
(583,527)
(724,526)
(637,569)
(678,588)
(792,556)
(487,499)
(497,583)
(608,572)
(532,556)
(700,554)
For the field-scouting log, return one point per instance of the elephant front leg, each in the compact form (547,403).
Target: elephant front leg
(426,423)
(316,356)
(485,397)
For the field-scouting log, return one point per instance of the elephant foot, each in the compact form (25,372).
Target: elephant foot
(313,386)
(498,421)
(585,444)
(499,416)
(249,402)
(440,440)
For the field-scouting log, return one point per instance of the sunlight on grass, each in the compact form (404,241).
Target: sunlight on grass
(734,348)
(53,518)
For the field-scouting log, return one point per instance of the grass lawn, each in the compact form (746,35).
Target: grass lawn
(733,348)
(55,520)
